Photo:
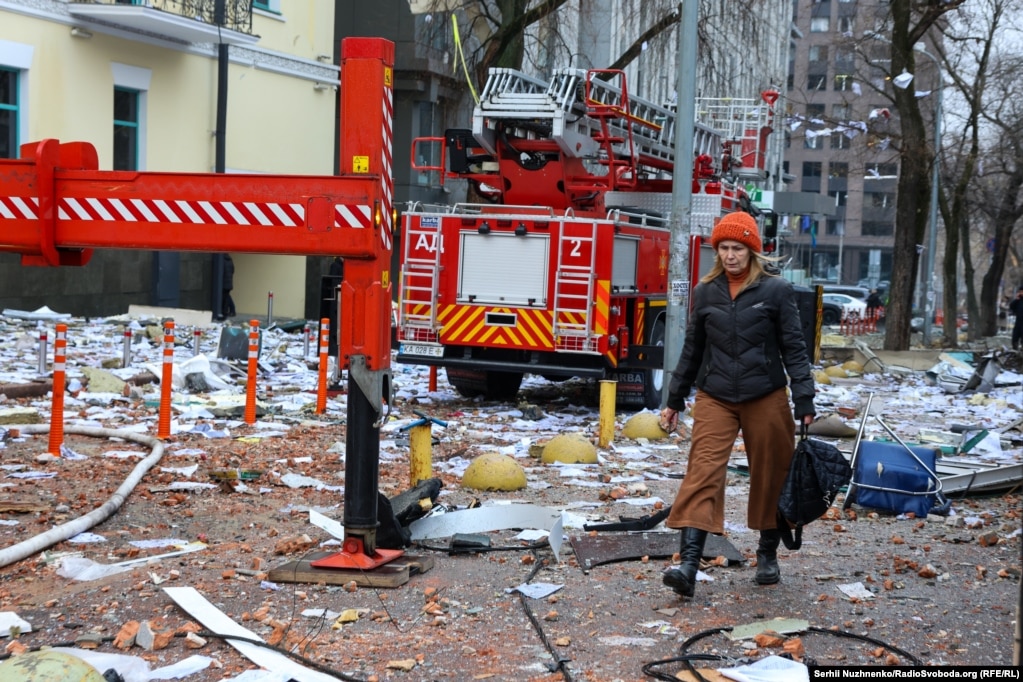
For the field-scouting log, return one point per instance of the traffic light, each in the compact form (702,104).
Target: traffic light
(770,232)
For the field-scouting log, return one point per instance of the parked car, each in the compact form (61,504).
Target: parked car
(881,286)
(831,313)
(856,292)
(849,304)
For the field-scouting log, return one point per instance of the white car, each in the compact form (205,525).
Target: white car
(850,306)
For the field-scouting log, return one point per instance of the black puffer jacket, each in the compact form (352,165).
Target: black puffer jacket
(742,349)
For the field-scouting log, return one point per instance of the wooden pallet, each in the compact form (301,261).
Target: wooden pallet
(392,574)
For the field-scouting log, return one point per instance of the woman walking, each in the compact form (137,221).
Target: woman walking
(743,346)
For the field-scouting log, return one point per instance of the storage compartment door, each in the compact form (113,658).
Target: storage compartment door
(503,269)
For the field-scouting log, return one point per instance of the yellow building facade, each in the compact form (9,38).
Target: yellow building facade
(141,83)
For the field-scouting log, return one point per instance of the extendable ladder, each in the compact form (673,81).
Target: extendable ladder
(573,287)
(418,314)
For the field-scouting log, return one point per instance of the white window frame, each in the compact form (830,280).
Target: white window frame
(18,57)
(136,78)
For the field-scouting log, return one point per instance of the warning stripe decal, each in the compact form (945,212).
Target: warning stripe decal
(602,308)
(19,208)
(269,214)
(461,324)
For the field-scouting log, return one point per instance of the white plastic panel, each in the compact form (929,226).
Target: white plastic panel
(503,269)
(625,264)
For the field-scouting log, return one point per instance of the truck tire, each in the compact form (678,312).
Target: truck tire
(471,383)
(653,379)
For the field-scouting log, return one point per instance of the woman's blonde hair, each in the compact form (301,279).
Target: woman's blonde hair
(756,268)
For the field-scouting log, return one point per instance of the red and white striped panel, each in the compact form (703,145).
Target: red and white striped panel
(183,212)
(387,179)
(353,216)
(180,211)
(19,208)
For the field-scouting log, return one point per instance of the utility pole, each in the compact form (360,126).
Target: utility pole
(681,192)
(220,160)
(932,237)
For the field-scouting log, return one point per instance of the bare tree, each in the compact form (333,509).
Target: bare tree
(983,156)
(911,20)
(501,33)
(1001,185)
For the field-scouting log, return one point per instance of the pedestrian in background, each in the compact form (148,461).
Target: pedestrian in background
(744,336)
(874,304)
(1016,308)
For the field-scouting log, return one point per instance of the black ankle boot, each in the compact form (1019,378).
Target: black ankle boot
(768,572)
(683,578)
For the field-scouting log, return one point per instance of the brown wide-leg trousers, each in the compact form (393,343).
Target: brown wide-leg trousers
(768,431)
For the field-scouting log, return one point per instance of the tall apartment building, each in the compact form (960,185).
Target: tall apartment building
(841,139)
(139,80)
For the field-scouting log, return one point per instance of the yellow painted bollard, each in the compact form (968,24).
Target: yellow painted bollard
(420,448)
(420,441)
(607,413)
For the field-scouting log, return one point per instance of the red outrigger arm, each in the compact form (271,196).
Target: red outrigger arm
(56,207)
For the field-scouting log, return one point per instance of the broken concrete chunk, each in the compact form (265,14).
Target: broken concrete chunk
(20,415)
(125,637)
(89,640)
(100,381)
(194,641)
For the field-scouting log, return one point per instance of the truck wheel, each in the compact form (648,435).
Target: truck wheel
(471,383)
(653,379)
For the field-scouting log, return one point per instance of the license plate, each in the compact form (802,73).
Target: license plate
(430,350)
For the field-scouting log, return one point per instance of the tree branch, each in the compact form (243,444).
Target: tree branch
(636,48)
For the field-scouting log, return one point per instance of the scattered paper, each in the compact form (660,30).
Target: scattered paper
(856,591)
(536,590)
(9,620)
(335,528)
(80,568)
(215,620)
(769,669)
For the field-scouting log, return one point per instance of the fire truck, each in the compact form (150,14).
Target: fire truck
(561,269)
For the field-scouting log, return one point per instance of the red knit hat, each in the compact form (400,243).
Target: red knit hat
(738,226)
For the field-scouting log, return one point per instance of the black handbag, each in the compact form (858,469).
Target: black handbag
(817,472)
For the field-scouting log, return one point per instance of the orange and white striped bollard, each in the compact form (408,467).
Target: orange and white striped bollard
(166,379)
(59,379)
(43,345)
(250,382)
(321,388)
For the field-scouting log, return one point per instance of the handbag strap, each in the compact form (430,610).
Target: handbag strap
(791,538)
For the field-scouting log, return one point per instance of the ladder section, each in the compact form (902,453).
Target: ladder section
(745,125)
(574,287)
(511,98)
(419,275)
(652,126)
(572,111)
(511,90)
